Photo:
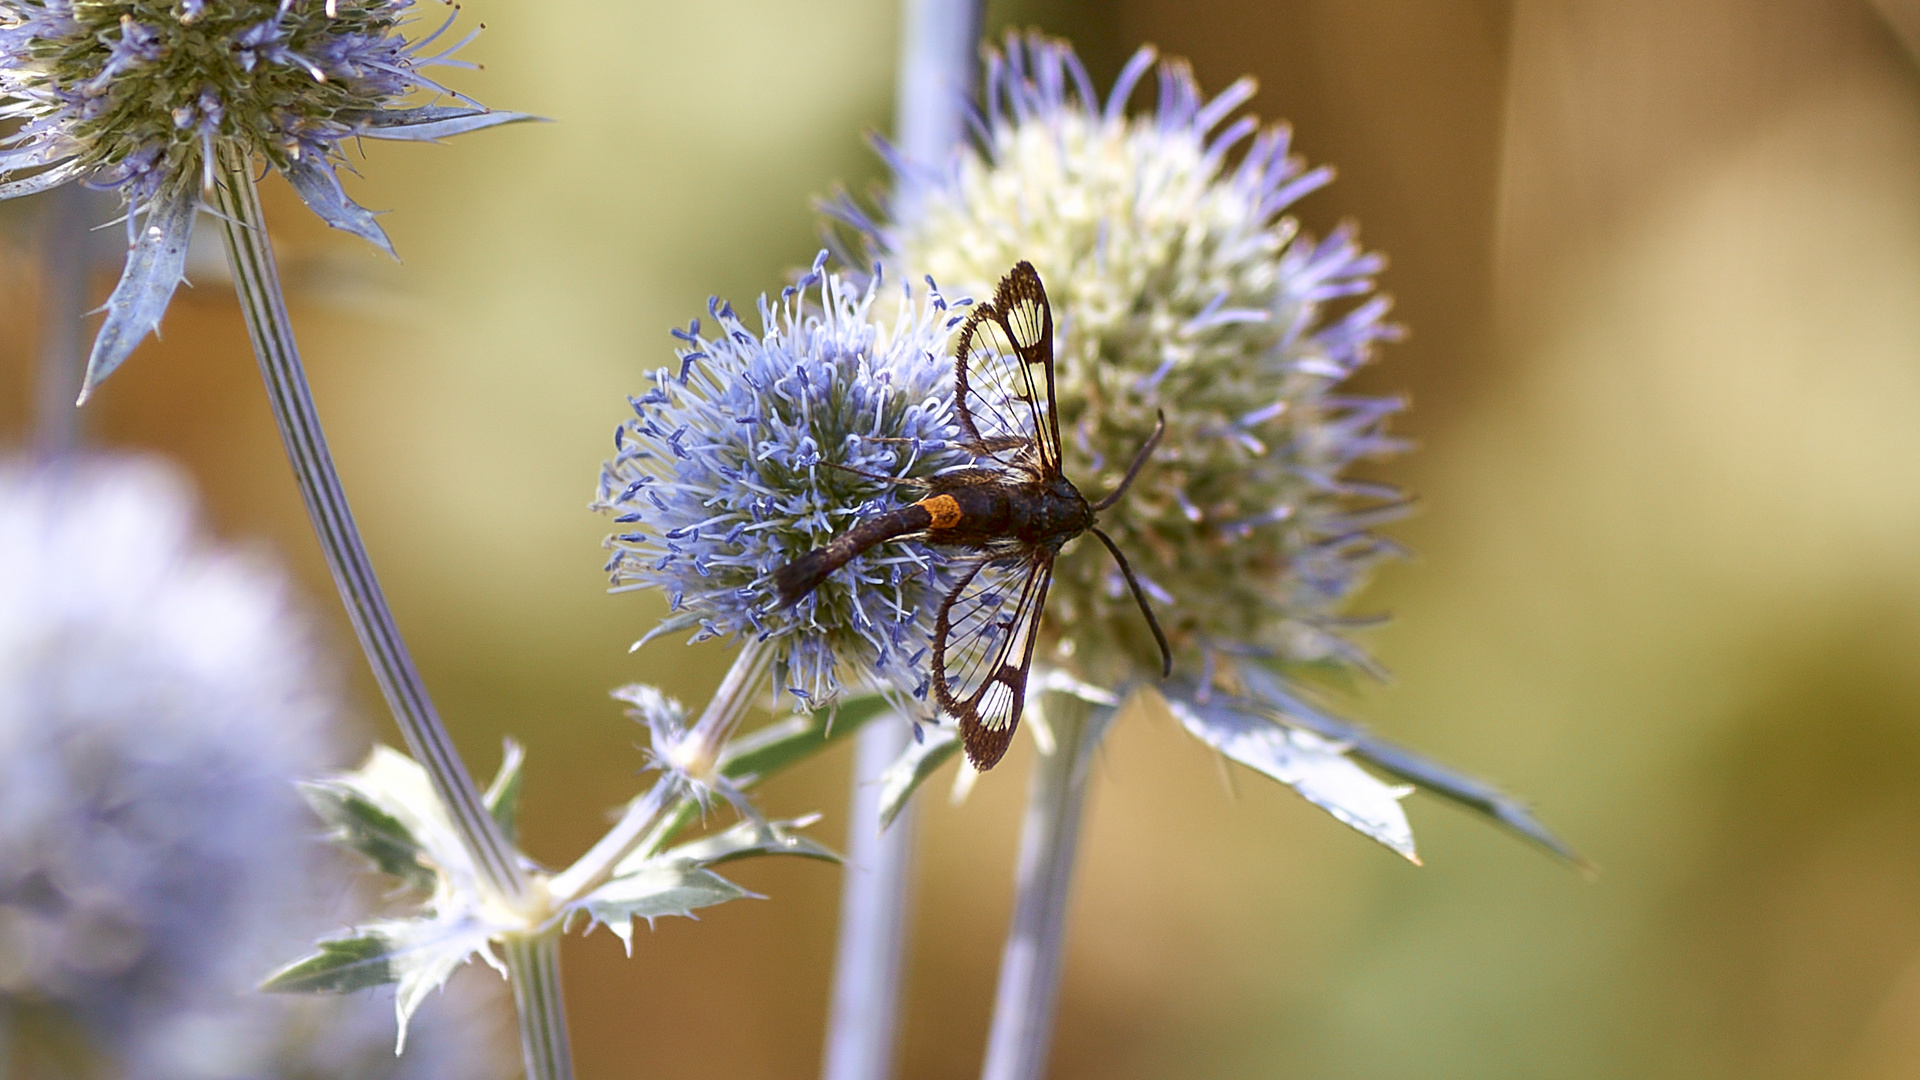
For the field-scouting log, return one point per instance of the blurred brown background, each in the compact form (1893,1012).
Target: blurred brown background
(1661,266)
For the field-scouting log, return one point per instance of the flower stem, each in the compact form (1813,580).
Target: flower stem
(258,284)
(722,716)
(1029,990)
(935,82)
(533,967)
(64,245)
(874,907)
(932,88)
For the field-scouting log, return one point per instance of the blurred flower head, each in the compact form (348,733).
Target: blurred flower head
(142,96)
(157,701)
(723,475)
(1177,286)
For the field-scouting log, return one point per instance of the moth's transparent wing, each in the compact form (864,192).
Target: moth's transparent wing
(983,638)
(1003,377)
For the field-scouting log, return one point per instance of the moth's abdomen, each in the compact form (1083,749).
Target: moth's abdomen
(804,574)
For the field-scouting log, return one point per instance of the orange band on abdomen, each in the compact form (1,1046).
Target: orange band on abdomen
(945,510)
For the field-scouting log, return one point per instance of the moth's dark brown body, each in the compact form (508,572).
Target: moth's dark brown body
(976,509)
(1014,512)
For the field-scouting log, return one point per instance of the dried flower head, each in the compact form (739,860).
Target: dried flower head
(723,475)
(1178,286)
(144,96)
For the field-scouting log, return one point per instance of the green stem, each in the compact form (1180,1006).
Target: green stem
(533,967)
(258,284)
(722,717)
(1029,990)
(533,963)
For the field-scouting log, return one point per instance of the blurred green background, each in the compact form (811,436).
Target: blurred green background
(1661,267)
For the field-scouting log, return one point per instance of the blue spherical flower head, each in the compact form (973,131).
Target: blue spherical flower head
(144,96)
(761,446)
(1178,287)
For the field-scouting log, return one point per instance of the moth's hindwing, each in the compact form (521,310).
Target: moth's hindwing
(984,635)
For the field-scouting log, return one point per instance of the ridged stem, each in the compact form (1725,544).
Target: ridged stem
(63,303)
(533,968)
(934,82)
(939,43)
(258,284)
(1029,991)
(533,963)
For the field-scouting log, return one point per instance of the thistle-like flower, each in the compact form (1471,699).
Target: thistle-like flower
(745,456)
(1179,287)
(144,96)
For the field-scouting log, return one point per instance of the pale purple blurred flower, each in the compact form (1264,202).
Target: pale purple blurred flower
(159,697)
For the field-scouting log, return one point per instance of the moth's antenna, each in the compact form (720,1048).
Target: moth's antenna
(1133,470)
(1139,597)
(897,481)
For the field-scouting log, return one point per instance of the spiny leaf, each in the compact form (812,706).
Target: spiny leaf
(431,123)
(398,785)
(654,891)
(1312,766)
(319,187)
(1272,692)
(360,825)
(38,182)
(418,953)
(503,795)
(155,266)
(778,746)
(746,839)
(340,965)
(427,952)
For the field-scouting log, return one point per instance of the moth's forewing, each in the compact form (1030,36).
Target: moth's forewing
(983,642)
(1003,377)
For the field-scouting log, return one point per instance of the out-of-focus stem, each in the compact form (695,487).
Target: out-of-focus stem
(1029,990)
(258,284)
(63,303)
(874,915)
(938,58)
(533,968)
(935,78)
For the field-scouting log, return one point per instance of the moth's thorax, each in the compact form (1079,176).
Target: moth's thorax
(1042,513)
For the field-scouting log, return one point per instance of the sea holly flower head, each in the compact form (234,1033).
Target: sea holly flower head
(156,698)
(145,96)
(761,445)
(1180,288)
